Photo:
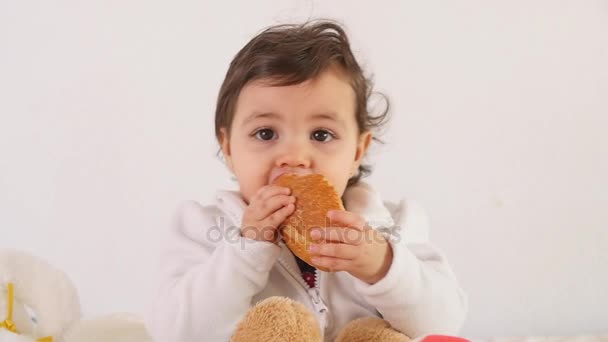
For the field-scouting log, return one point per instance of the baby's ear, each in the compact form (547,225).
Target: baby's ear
(365,139)
(225,145)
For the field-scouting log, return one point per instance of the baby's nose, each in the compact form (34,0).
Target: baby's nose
(293,161)
(294,156)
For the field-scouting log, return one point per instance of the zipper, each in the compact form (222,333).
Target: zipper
(314,293)
(322,312)
(318,302)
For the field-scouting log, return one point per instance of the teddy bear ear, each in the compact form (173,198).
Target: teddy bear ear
(370,329)
(50,296)
(275,319)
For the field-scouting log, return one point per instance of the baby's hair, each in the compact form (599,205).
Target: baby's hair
(291,54)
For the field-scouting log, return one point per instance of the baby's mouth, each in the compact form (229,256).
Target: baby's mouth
(276,173)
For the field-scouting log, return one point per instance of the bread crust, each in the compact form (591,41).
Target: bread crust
(315,196)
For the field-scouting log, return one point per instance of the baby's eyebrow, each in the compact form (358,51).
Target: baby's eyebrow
(257,115)
(328,115)
(317,116)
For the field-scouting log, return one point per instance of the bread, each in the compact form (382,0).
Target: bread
(315,196)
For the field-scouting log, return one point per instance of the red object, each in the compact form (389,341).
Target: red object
(309,277)
(443,338)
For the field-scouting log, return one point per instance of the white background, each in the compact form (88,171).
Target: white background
(500,114)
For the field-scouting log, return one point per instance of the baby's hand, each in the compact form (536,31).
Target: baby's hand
(266,211)
(353,247)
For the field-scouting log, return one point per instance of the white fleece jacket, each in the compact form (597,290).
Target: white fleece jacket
(210,275)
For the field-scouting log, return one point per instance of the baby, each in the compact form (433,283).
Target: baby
(295,100)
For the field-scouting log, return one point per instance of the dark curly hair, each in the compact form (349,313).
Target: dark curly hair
(291,54)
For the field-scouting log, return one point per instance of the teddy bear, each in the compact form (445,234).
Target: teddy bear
(283,319)
(40,303)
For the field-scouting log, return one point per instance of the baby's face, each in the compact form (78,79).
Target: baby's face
(304,128)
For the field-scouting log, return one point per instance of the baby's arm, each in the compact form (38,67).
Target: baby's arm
(419,295)
(207,278)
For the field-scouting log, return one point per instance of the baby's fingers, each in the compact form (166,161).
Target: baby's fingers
(279,216)
(265,208)
(331,263)
(346,235)
(335,250)
(269,191)
(347,219)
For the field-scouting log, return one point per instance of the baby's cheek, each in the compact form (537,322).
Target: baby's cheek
(338,181)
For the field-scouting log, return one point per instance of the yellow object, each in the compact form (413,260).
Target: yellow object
(8,323)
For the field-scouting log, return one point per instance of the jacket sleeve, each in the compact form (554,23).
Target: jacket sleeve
(420,294)
(208,275)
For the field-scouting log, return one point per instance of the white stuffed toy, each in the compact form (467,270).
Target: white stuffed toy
(39,303)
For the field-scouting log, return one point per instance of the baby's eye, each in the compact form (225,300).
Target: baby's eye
(265,134)
(322,135)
